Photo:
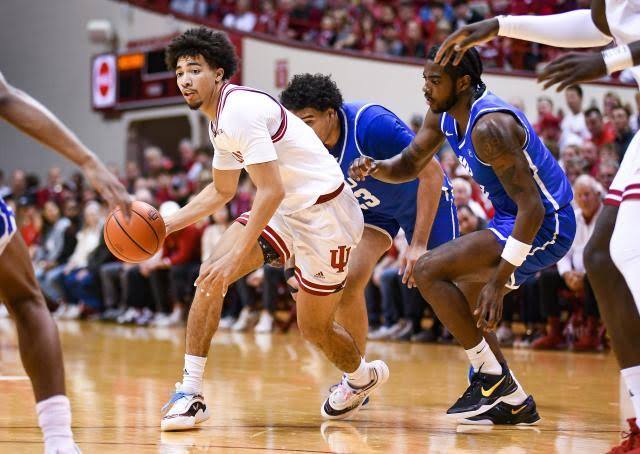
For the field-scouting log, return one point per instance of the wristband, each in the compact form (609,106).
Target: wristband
(515,252)
(617,58)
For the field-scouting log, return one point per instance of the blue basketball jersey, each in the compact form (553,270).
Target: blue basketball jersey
(371,130)
(553,185)
(7,220)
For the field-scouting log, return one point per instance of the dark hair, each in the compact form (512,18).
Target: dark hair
(592,110)
(215,48)
(468,208)
(316,91)
(576,88)
(470,65)
(626,109)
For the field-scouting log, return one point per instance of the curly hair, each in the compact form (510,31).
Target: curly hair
(214,46)
(316,91)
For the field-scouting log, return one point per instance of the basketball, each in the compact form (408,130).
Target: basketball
(140,238)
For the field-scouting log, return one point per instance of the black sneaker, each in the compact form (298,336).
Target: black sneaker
(485,392)
(524,414)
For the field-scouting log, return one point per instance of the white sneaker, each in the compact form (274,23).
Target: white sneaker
(226,322)
(66,446)
(4,313)
(345,400)
(183,411)
(59,312)
(173,319)
(505,335)
(385,332)
(129,316)
(72,312)
(265,324)
(246,321)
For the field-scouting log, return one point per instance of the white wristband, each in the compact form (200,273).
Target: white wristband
(617,58)
(515,252)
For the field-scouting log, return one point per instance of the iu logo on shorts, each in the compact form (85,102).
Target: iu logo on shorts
(340,258)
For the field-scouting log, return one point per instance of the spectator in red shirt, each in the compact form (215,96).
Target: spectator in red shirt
(589,153)
(601,133)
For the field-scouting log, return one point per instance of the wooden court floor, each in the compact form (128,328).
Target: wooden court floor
(265,393)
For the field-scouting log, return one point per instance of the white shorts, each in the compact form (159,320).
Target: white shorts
(320,238)
(626,184)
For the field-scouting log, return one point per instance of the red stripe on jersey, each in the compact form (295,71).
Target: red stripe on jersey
(270,236)
(632,186)
(631,197)
(319,286)
(612,202)
(332,195)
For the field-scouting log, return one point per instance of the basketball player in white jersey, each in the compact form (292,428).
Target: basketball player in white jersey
(612,256)
(302,209)
(37,333)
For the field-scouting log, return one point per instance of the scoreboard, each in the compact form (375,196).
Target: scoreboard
(136,80)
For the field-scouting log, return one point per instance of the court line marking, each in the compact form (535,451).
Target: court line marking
(13,377)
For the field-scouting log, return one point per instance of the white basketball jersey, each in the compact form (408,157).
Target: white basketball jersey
(252,128)
(623,17)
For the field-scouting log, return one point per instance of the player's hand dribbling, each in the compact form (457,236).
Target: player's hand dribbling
(108,186)
(362,167)
(464,38)
(489,309)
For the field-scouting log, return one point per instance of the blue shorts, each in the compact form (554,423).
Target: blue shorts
(553,241)
(445,225)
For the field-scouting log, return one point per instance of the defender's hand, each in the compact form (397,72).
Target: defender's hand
(464,38)
(573,68)
(362,167)
(489,309)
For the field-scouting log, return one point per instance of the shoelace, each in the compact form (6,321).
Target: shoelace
(344,390)
(176,396)
(333,387)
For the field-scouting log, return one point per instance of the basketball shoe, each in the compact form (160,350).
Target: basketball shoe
(345,400)
(332,388)
(183,411)
(631,440)
(485,391)
(524,414)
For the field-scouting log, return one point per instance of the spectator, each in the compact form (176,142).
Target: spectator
(611,100)
(570,274)
(17,184)
(574,127)
(414,44)
(600,132)
(620,118)
(155,162)
(416,123)
(462,196)
(589,153)
(78,283)
(570,151)
(574,167)
(242,19)
(53,189)
(468,220)
(607,171)
(464,14)
(52,240)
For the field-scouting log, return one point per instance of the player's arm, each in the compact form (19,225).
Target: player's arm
(213,197)
(269,194)
(497,139)
(34,119)
(571,30)
(407,165)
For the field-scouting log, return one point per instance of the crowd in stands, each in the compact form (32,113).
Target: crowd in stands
(401,28)
(61,222)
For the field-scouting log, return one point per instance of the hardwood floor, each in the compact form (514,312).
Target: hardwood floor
(265,392)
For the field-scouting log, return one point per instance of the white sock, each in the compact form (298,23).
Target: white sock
(54,418)
(360,376)
(631,377)
(518,396)
(481,356)
(193,373)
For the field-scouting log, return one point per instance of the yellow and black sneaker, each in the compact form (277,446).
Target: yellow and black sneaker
(524,414)
(484,392)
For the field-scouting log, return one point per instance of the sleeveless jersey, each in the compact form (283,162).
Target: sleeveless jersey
(371,130)
(7,220)
(553,185)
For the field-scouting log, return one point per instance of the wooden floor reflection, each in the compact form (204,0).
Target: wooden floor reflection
(265,393)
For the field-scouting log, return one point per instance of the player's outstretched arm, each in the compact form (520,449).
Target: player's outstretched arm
(497,139)
(34,119)
(580,67)
(213,197)
(572,29)
(407,165)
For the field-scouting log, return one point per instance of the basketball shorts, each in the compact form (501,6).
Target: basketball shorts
(320,238)
(626,184)
(444,228)
(552,242)
(7,225)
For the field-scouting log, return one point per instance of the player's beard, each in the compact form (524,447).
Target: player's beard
(446,105)
(195,105)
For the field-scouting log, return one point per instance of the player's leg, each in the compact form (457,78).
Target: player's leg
(39,344)
(186,408)
(351,313)
(468,259)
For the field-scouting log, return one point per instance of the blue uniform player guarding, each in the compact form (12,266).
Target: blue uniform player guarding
(465,280)
(422,207)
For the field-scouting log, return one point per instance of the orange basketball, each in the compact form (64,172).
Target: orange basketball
(140,238)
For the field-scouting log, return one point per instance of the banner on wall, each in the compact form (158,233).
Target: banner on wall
(103,81)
